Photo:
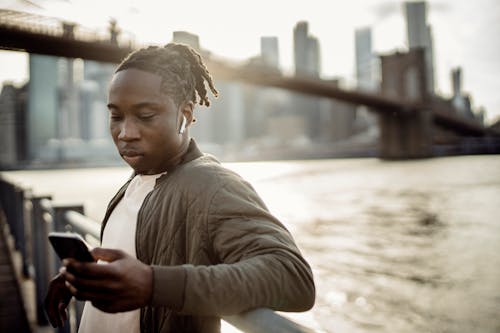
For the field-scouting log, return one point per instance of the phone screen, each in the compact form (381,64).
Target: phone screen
(70,245)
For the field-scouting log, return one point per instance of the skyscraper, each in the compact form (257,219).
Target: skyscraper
(8,142)
(269,51)
(306,51)
(364,58)
(69,78)
(365,80)
(307,63)
(93,99)
(420,36)
(460,101)
(42,118)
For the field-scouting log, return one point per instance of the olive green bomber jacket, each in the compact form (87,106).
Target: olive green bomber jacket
(214,248)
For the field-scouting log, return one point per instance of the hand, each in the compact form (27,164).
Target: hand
(123,284)
(57,301)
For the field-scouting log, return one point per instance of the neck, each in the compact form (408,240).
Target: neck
(173,162)
(177,159)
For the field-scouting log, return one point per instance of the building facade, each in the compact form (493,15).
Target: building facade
(420,36)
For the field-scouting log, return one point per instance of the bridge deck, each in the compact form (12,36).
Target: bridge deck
(12,313)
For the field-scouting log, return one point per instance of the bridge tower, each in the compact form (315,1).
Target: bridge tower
(405,135)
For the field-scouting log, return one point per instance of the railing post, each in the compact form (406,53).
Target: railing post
(20,228)
(9,209)
(41,255)
(48,216)
(3,196)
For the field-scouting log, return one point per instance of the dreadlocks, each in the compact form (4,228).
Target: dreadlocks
(181,68)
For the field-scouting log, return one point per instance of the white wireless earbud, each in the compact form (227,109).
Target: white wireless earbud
(183,125)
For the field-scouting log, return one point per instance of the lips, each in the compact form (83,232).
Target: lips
(131,156)
(129,152)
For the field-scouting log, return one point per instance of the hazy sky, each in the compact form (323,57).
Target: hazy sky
(465,32)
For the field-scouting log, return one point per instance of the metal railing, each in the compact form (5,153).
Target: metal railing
(31,218)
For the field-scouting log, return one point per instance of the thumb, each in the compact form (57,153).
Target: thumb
(108,255)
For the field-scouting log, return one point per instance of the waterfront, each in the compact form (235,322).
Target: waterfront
(409,246)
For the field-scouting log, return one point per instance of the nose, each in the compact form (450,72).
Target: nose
(128,130)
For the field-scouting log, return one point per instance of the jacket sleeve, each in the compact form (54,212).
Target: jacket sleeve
(260,265)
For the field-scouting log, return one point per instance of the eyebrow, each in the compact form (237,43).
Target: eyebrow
(137,105)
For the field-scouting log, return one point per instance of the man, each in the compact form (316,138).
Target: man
(184,241)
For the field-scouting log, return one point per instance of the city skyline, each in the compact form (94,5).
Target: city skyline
(334,31)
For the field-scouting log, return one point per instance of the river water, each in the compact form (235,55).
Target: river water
(408,246)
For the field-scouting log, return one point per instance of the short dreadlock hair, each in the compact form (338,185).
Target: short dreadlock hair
(181,68)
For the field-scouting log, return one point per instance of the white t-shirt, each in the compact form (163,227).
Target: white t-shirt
(120,234)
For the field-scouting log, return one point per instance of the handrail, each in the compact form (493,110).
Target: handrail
(84,225)
(265,320)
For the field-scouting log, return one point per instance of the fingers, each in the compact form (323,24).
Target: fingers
(94,271)
(56,301)
(108,255)
(57,314)
(123,284)
(101,286)
(87,270)
(63,315)
(98,287)
(93,295)
(54,318)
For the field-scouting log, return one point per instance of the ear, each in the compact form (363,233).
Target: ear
(187,111)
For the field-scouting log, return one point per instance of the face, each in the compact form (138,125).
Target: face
(144,122)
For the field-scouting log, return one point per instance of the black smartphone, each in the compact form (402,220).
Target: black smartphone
(70,245)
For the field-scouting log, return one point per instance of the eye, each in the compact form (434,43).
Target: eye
(115,116)
(146,116)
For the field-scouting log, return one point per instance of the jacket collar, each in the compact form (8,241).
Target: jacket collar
(192,153)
